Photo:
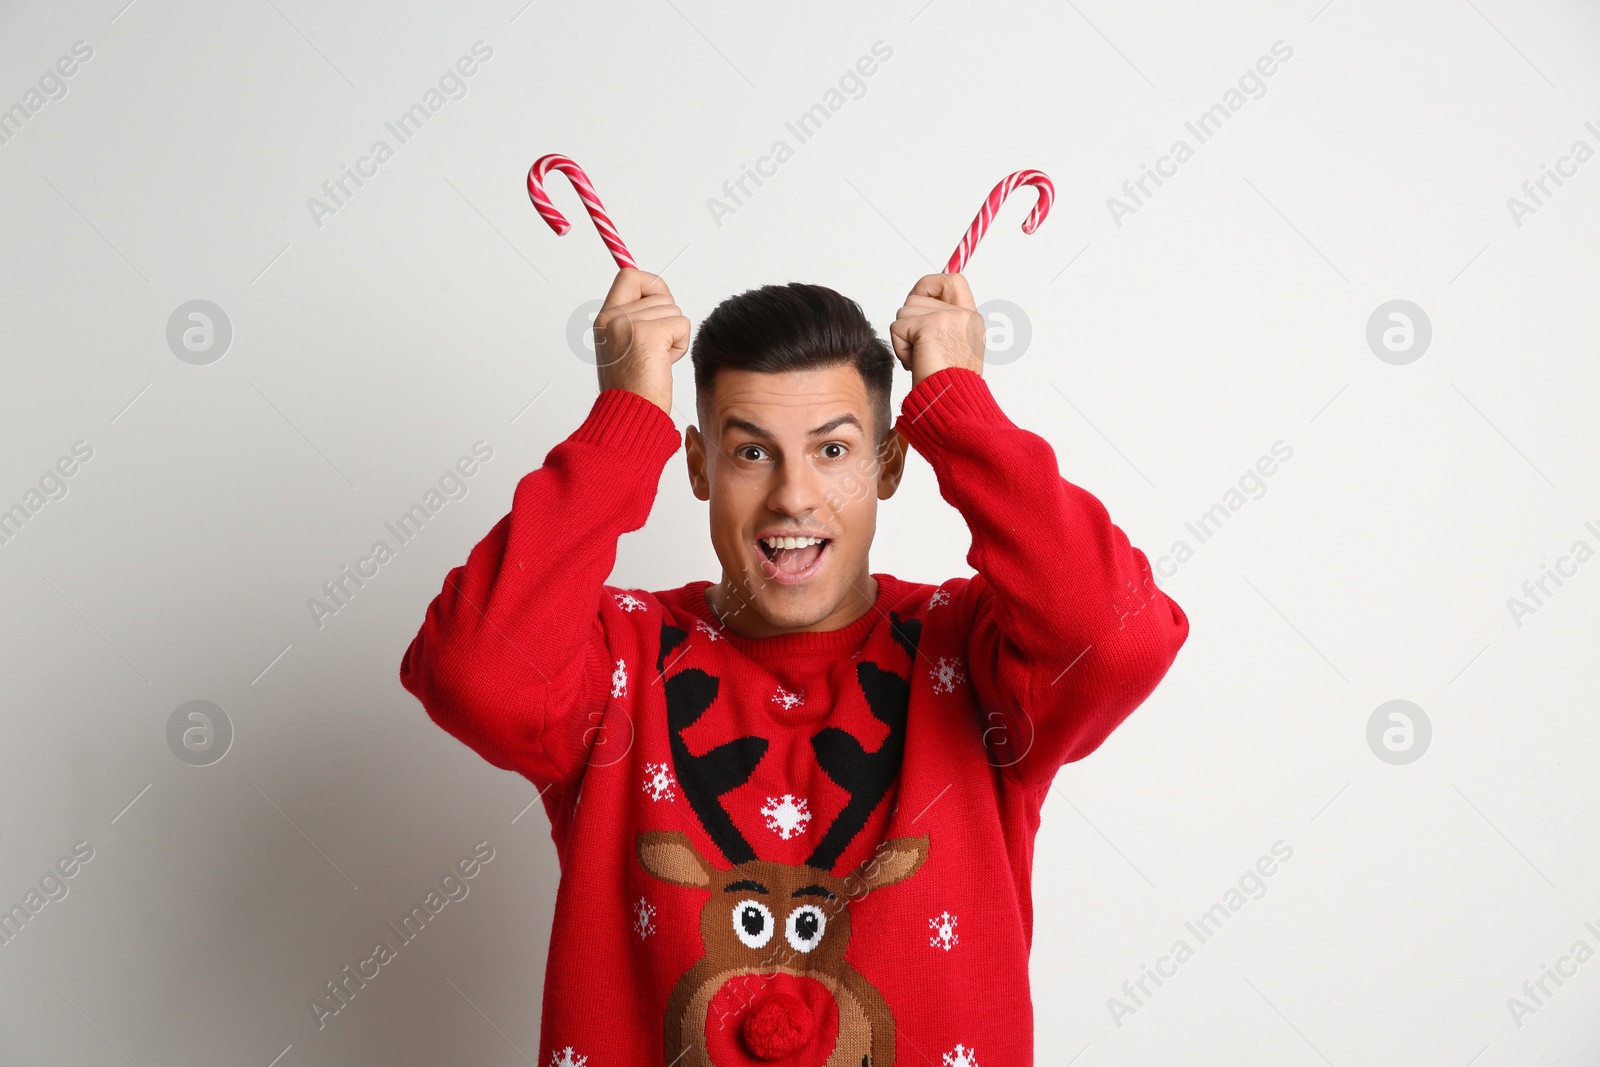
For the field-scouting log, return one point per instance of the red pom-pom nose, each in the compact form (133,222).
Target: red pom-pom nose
(777,1025)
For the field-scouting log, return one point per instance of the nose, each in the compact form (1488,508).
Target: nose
(798,489)
(777,1019)
(776,1025)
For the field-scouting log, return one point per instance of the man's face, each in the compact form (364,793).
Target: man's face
(792,454)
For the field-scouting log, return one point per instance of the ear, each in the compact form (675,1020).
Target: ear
(892,457)
(895,861)
(672,857)
(694,447)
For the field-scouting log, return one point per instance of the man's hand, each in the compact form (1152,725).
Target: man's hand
(639,334)
(938,327)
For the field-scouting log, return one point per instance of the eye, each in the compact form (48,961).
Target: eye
(834,455)
(804,928)
(752,922)
(743,452)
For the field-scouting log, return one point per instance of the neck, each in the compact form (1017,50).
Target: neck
(743,617)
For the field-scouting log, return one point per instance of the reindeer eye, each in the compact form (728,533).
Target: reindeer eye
(752,922)
(805,926)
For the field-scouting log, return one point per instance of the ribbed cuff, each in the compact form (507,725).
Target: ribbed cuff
(628,423)
(947,400)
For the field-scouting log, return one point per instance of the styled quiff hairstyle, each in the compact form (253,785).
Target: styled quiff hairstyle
(796,326)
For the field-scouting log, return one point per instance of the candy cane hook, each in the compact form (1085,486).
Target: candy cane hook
(1047,195)
(591,201)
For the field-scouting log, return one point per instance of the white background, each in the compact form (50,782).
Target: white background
(1168,353)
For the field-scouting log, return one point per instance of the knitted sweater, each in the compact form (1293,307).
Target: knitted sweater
(807,849)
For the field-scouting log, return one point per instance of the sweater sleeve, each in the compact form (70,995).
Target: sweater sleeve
(512,652)
(1069,633)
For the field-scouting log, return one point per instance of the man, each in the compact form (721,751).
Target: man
(794,809)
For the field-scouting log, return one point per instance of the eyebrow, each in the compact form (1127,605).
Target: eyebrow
(745,885)
(812,891)
(734,422)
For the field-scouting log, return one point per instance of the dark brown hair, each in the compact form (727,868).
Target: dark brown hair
(792,327)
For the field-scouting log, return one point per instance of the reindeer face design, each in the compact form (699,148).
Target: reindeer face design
(774,977)
(774,983)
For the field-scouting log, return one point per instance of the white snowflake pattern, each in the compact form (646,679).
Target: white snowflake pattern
(643,912)
(787,699)
(946,675)
(788,815)
(568,1058)
(619,680)
(658,782)
(705,628)
(961,1056)
(939,597)
(944,936)
(628,602)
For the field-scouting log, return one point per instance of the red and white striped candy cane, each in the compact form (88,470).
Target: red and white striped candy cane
(1035,178)
(591,201)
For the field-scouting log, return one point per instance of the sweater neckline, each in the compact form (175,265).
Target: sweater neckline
(846,637)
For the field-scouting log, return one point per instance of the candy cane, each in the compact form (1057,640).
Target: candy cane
(1035,178)
(591,201)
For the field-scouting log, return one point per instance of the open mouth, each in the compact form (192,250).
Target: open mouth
(791,560)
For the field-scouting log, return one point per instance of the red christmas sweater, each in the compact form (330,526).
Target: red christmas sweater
(815,848)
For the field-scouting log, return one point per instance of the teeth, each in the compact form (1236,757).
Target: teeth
(791,542)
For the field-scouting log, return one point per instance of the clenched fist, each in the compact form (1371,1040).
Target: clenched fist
(639,334)
(938,327)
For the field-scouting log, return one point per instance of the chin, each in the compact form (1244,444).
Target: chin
(796,607)
(791,610)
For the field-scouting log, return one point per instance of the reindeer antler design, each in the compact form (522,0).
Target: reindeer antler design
(866,776)
(707,777)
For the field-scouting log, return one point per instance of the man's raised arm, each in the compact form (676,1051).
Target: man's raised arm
(1069,632)
(512,652)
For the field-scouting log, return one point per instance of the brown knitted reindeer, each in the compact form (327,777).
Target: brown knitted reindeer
(774,978)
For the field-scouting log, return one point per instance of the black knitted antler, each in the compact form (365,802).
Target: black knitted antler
(707,777)
(866,776)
